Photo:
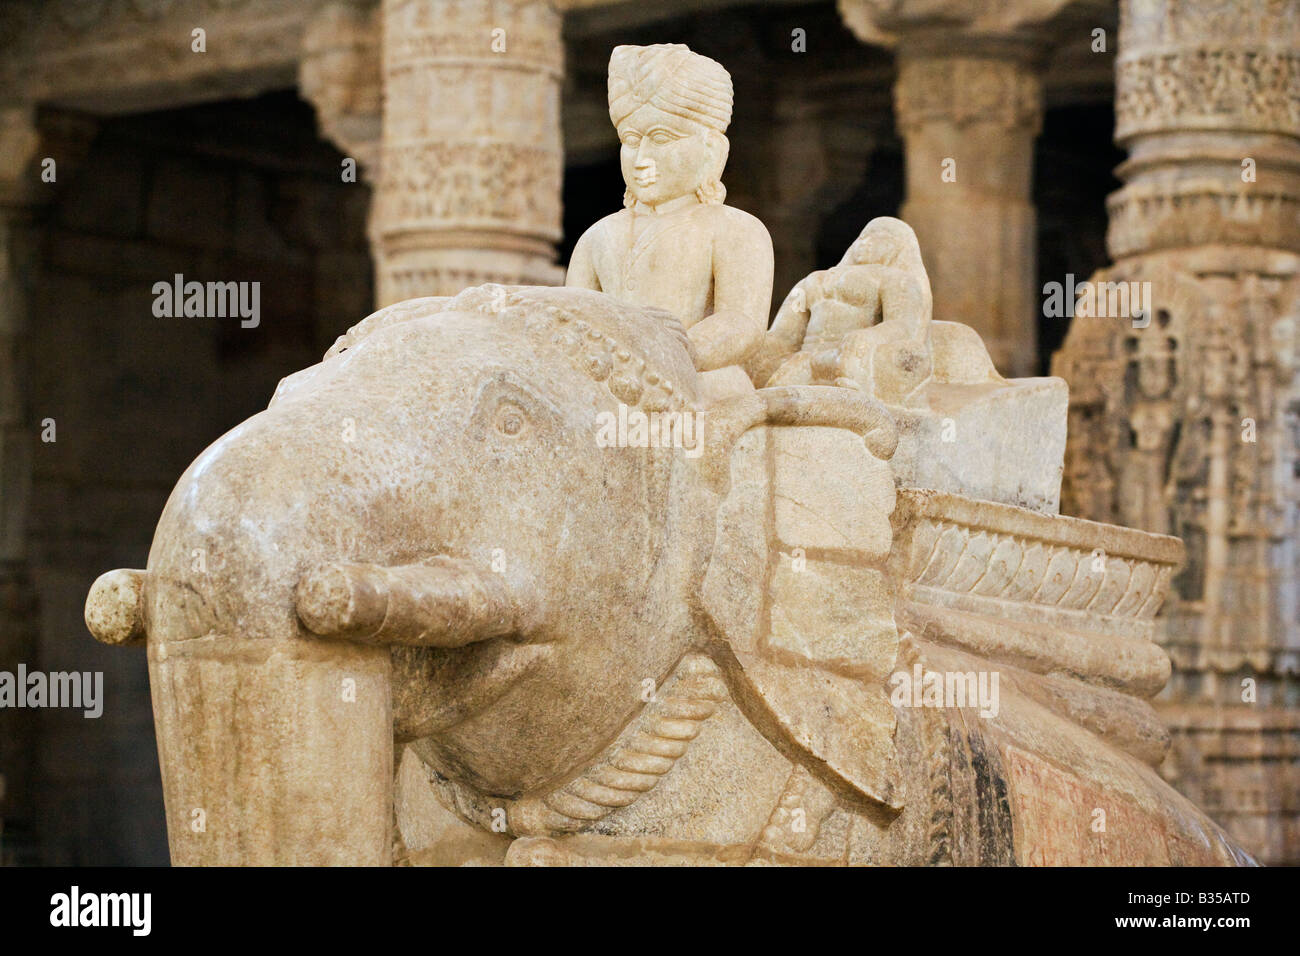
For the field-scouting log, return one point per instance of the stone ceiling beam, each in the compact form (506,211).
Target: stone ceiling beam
(127,56)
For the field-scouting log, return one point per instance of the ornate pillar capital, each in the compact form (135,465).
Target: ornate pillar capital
(967,90)
(1196,65)
(1002,28)
(1207,100)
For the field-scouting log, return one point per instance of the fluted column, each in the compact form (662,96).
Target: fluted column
(1182,415)
(471,162)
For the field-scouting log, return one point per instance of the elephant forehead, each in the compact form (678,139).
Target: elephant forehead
(638,354)
(463,358)
(600,354)
(447,342)
(435,362)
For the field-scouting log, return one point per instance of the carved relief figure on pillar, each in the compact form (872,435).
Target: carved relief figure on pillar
(1152,424)
(1188,412)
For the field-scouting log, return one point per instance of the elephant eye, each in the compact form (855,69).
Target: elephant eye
(507,406)
(511,419)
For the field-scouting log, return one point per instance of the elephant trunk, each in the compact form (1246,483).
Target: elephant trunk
(442,603)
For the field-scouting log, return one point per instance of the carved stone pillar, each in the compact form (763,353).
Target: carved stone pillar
(19,142)
(1185,412)
(820,148)
(471,162)
(968,125)
(339,74)
(799,172)
(969,103)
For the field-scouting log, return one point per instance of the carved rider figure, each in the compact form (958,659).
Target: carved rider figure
(674,245)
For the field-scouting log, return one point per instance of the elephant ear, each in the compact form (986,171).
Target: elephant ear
(801,606)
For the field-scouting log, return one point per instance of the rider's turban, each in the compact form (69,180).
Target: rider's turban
(672,78)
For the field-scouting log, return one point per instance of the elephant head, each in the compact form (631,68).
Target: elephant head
(512,495)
